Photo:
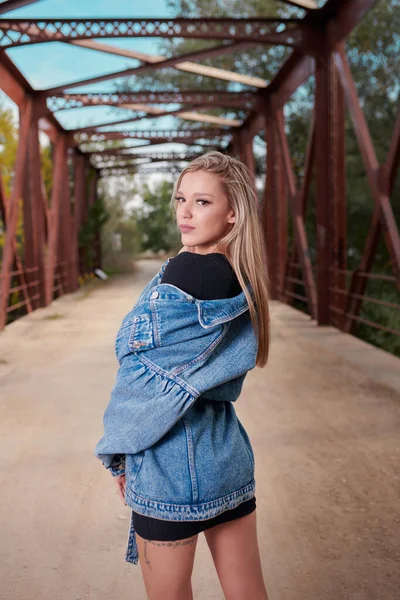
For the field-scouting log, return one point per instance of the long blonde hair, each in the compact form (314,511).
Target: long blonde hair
(244,244)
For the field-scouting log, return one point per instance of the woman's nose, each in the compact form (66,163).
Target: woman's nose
(186,211)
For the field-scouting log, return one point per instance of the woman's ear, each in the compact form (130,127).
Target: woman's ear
(231,218)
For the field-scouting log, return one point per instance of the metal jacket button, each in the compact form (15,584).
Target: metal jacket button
(154,295)
(137,344)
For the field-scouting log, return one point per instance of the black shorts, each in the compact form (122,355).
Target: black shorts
(161,530)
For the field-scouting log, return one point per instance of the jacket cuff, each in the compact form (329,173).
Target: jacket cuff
(117,466)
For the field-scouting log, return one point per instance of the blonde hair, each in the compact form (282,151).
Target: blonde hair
(243,245)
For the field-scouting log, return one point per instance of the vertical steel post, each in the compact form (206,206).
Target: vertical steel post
(34,215)
(330,201)
(275,207)
(56,196)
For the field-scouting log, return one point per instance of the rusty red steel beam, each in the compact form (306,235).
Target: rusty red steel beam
(370,160)
(330,196)
(8,250)
(272,196)
(108,163)
(35,212)
(340,18)
(393,157)
(245,100)
(340,205)
(294,72)
(60,154)
(14,84)
(277,207)
(10,5)
(168,135)
(120,151)
(4,208)
(171,113)
(297,215)
(67,233)
(187,142)
(253,122)
(116,171)
(153,157)
(252,29)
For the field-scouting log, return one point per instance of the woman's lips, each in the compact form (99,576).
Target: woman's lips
(185,228)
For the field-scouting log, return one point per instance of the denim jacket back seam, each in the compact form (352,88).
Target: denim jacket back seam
(194,488)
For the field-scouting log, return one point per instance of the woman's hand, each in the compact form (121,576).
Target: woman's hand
(120,482)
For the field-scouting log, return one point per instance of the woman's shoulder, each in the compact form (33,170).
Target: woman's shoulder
(205,276)
(188,256)
(201,263)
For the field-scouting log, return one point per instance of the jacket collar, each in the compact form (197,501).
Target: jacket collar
(211,312)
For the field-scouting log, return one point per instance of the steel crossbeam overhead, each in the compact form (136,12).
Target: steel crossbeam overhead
(183,113)
(150,156)
(170,136)
(10,5)
(132,169)
(18,32)
(244,100)
(108,162)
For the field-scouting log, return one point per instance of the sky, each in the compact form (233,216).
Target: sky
(51,64)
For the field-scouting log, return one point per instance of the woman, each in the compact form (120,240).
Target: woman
(179,455)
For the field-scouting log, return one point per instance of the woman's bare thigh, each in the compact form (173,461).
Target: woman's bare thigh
(167,567)
(234,549)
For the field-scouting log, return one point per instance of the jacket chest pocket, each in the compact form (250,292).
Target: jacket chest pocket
(141,335)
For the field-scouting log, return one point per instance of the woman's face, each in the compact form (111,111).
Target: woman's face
(202,204)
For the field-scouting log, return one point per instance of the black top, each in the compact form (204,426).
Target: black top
(203,276)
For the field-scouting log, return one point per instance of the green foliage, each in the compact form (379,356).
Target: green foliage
(118,197)
(155,223)
(97,217)
(8,146)
(46,161)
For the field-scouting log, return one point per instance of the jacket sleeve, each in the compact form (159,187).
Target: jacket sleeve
(157,384)
(147,401)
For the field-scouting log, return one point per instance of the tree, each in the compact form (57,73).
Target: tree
(155,222)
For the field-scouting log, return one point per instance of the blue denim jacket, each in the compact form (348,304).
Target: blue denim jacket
(182,362)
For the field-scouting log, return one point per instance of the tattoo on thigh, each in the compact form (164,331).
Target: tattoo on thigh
(166,544)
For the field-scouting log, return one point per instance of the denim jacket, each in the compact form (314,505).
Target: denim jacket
(170,424)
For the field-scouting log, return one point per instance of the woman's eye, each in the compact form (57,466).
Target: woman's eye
(199,200)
